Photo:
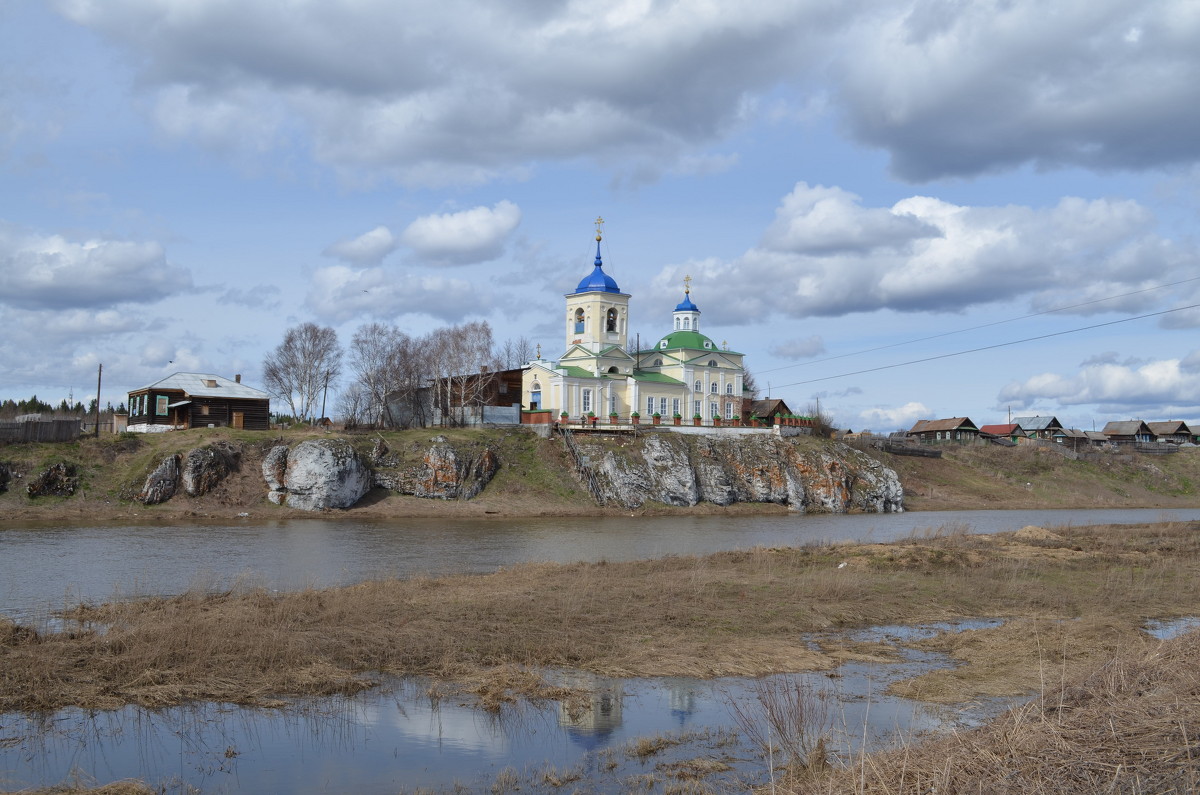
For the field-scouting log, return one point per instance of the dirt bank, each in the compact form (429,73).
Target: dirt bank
(535,479)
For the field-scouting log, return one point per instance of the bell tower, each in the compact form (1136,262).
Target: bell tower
(597,312)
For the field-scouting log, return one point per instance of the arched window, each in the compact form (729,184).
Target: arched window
(712,362)
(611,323)
(578,321)
(677,324)
(729,389)
(657,363)
(687,322)
(699,387)
(613,369)
(713,388)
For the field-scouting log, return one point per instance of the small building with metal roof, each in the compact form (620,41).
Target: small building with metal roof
(198,400)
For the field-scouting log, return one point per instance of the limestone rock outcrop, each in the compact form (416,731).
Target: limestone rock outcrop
(58,480)
(205,467)
(685,470)
(445,472)
(316,474)
(162,483)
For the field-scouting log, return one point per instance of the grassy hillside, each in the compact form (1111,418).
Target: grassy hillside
(981,477)
(535,478)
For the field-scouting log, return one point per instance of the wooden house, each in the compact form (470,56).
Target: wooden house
(1039,427)
(766,410)
(953,429)
(198,400)
(1012,431)
(1128,432)
(1173,431)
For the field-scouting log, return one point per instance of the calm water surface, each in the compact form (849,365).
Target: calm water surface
(45,568)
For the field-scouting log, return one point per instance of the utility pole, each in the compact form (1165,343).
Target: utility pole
(99,372)
(325,394)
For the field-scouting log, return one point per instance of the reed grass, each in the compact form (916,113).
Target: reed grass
(732,613)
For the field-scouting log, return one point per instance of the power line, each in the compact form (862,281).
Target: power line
(988,347)
(976,328)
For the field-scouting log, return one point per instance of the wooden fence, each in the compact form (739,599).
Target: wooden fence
(40,431)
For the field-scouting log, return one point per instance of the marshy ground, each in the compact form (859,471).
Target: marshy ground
(1074,602)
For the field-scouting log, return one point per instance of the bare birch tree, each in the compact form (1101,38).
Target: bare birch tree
(514,353)
(391,369)
(462,356)
(305,363)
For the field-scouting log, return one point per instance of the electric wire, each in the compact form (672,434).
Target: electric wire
(986,347)
(976,328)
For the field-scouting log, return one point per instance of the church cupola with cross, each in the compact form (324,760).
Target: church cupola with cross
(687,314)
(597,312)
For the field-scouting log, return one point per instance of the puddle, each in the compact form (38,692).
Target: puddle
(635,734)
(1168,628)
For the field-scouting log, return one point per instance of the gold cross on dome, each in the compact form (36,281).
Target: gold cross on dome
(687,284)
(599,224)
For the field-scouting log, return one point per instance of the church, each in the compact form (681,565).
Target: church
(684,373)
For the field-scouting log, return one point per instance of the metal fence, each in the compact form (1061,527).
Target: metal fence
(40,431)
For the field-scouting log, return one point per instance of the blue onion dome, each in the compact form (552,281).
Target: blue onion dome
(598,280)
(686,304)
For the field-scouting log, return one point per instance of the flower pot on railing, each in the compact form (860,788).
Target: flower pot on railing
(635,418)
(656,418)
(697,419)
(716,422)
(678,418)
(612,419)
(564,417)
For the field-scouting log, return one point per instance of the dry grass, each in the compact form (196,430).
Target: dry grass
(1131,725)
(733,613)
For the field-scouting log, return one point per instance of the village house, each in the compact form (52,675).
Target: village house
(1039,427)
(954,429)
(1172,431)
(1128,432)
(1012,431)
(198,400)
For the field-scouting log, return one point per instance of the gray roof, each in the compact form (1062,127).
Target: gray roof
(1036,423)
(197,385)
(1125,428)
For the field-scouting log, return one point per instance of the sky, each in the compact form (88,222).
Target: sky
(902,209)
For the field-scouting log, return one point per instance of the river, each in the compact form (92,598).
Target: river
(44,568)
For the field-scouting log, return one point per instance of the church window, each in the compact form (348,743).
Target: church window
(696,410)
(729,411)
(613,369)
(578,321)
(649,405)
(612,403)
(699,387)
(663,345)
(657,363)
(713,410)
(587,400)
(675,406)
(677,324)
(611,323)
(687,323)
(713,387)
(536,387)
(712,362)
(729,389)
(707,344)
(662,405)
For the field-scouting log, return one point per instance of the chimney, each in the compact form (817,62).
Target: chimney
(238,378)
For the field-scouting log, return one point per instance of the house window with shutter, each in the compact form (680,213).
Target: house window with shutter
(160,405)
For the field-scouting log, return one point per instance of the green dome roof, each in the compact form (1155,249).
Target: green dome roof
(687,339)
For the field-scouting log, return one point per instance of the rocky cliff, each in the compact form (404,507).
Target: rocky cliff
(676,469)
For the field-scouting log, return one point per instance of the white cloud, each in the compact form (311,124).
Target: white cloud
(899,418)
(798,348)
(462,92)
(825,254)
(966,88)
(368,248)
(339,293)
(465,237)
(51,272)
(1150,385)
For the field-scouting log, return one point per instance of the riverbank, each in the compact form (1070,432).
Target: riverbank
(535,478)
(1071,596)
